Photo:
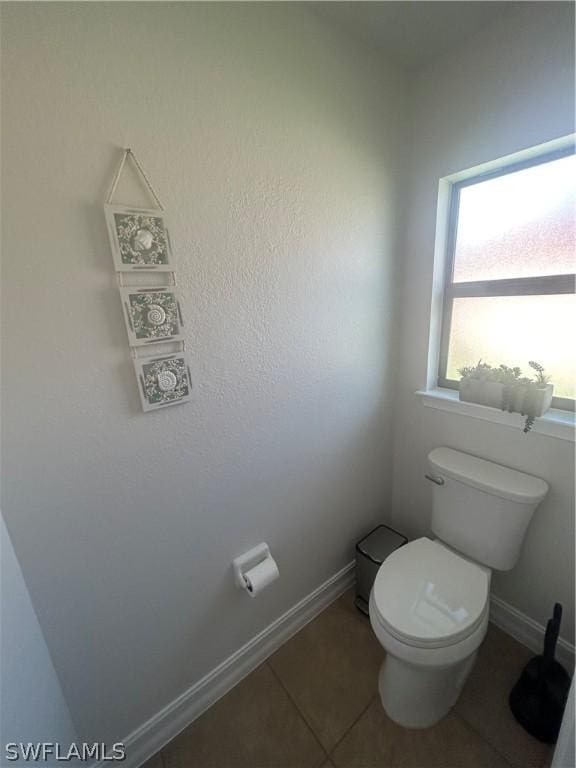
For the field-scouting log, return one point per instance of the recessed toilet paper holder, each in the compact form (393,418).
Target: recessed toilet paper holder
(247,561)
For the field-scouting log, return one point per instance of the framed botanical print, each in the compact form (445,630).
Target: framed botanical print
(152,315)
(163,380)
(139,239)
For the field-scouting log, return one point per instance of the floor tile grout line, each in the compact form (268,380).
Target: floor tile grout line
(467,723)
(328,753)
(298,710)
(360,716)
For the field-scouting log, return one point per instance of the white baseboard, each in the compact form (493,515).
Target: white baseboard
(156,732)
(527,631)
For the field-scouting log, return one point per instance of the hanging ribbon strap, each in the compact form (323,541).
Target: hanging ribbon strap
(128,153)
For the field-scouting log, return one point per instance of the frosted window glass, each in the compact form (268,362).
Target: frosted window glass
(514,330)
(522,224)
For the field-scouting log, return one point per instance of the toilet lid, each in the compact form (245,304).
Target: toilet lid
(427,595)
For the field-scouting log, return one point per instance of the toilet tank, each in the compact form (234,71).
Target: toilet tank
(480,508)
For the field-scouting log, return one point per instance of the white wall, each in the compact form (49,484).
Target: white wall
(565,751)
(275,146)
(32,707)
(508,89)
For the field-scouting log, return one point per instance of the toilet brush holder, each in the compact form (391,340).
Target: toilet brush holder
(538,699)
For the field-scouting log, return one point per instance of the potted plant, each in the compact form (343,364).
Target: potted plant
(506,388)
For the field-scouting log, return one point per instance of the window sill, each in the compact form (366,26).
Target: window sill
(554,423)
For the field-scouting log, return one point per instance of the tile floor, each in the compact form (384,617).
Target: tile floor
(314,704)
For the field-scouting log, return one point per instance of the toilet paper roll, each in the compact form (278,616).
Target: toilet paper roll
(260,576)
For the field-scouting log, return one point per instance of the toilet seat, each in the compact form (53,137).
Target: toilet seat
(427,596)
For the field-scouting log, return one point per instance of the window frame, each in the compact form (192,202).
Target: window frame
(520,286)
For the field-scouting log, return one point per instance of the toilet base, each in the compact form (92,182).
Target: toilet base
(417,696)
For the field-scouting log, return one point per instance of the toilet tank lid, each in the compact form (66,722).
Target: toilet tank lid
(487,476)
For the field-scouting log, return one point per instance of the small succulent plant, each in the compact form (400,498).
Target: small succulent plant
(541,377)
(503,374)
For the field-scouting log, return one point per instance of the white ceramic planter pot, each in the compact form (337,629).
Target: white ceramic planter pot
(482,392)
(529,400)
(519,399)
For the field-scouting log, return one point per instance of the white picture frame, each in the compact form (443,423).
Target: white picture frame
(139,239)
(152,315)
(163,380)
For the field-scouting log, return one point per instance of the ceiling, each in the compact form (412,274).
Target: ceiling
(409,32)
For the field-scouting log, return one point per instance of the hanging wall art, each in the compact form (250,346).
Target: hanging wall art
(140,240)
(162,381)
(152,315)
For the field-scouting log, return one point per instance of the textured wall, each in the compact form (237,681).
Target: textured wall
(275,147)
(32,705)
(508,89)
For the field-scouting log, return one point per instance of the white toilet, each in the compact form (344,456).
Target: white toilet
(430,601)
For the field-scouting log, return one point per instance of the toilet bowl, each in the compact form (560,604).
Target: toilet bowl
(429,604)
(429,610)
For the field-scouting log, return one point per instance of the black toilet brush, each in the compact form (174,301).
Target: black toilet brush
(538,699)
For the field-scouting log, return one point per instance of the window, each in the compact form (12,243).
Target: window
(509,294)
